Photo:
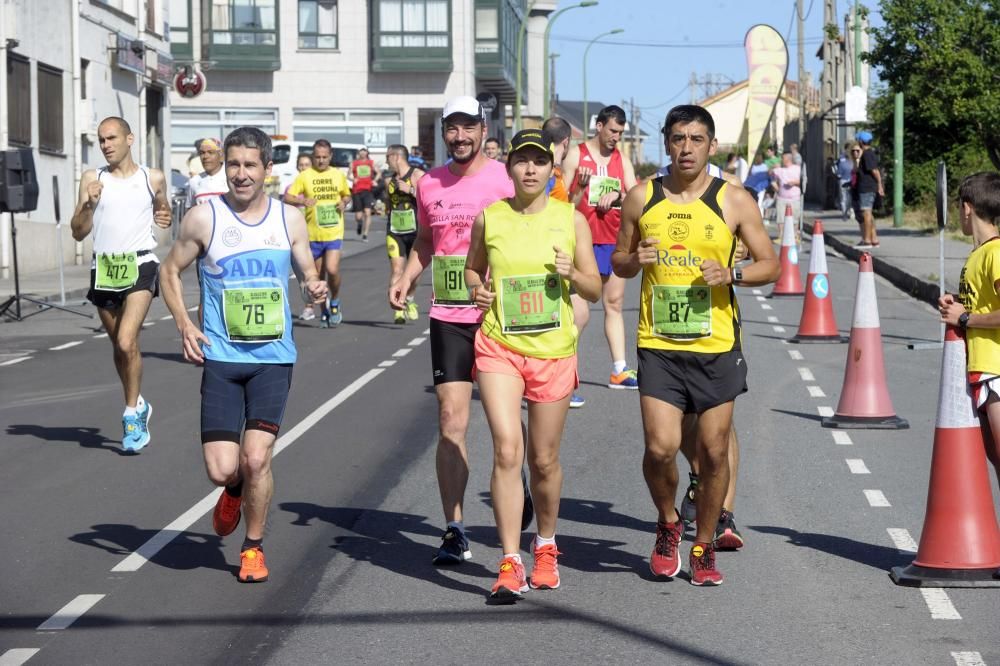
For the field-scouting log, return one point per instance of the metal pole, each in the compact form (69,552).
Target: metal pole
(802,74)
(897,174)
(517,65)
(586,110)
(547,105)
(857,44)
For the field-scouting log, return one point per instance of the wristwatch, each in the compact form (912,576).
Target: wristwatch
(963,320)
(737,275)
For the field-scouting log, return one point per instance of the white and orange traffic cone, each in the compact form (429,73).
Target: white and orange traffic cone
(818,323)
(960,542)
(864,398)
(790,281)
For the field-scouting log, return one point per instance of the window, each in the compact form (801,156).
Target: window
(373,128)
(317,24)
(50,108)
(19,103)
(413,23)
(191,124)
(244,22)
(180,25)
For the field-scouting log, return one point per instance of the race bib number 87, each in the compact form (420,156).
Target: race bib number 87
(682,313)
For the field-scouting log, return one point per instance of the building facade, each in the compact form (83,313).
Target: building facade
(373,72)
(65,65)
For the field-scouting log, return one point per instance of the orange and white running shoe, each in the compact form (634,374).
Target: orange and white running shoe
(252,566)
(226,515)
(545,575)
(511,583)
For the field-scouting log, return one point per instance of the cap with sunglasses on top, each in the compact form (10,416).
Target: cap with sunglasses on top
(531,137)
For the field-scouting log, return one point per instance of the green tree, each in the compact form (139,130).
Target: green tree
(945,56)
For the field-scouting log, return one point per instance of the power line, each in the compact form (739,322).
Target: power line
(656,106)
(676,45)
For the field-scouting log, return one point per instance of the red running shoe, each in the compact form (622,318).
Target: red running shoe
(226,515)
(545,575)
(511,583)
(252,567)
(703,571)
(665,560)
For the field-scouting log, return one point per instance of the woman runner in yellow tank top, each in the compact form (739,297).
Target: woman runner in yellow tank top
(535,249)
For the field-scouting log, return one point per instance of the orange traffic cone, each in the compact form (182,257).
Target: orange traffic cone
(960,542)
(818,323)
(864,398)
(789,282)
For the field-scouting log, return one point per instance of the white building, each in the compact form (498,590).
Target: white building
(373,72)
(65,65)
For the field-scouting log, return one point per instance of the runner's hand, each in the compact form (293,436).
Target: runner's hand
(583,175)
(715,275)
(484,297)
(951,312)
(308,202)
(647,250)
(317,289)
(564,263)
(94,192)
(162,218)
(191,339)
(605,203)
(945,301)
(397,293)
(741,251)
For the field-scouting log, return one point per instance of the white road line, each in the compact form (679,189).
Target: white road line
(939,604)
(416,341)
(17,360)
(147,324)
(133,561)
(100,335)
(795,354)
(401,352)
(757,292)
(772,319)
(386,364)
(902,540)
(815,392)
(842,438)
(761,299)
(806,374)
(824,411)
(876,498)
(968,659)
(69,613)
(857,466)
(427,331)
(165,317)
(18,656)
(778,329)
(192,308)
(66,346)
(765,306)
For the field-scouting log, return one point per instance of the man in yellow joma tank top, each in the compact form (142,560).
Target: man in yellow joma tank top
(680,230)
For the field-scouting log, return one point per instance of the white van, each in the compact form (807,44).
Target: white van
(286,153)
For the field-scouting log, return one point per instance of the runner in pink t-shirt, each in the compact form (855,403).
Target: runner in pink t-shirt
(448,200)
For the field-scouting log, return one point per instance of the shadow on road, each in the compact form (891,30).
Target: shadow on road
(87,437)
(379,538)
(187,550)
(878,557)
(176,357)
(802,415)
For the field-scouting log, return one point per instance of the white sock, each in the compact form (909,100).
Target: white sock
(514,556)
(543,541)
(618,367)
(409,299)
(130,411)
(140,404)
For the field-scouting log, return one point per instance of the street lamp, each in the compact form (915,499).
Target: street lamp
(517,66)
(586,111)
(545,51)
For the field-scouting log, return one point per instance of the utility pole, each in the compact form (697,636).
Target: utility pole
(802,74)
(551,92)
(635,133)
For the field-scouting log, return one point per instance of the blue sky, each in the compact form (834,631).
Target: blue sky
(666,40)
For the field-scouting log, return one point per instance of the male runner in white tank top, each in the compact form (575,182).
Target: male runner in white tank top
(119,204)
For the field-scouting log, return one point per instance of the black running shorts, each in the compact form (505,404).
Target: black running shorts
(148,280)
(399,245)
(691,381)
(238,396)
(361,200)
(452,351)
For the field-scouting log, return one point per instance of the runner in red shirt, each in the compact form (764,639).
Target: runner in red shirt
(362,173)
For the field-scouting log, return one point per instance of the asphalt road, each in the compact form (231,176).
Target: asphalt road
(356,517)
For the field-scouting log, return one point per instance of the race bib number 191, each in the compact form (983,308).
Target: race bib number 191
(449,281)
(682,313)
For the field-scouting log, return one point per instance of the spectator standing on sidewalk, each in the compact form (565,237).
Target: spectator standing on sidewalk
(845,167)
(869,183)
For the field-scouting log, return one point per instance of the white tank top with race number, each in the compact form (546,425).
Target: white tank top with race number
(123,219)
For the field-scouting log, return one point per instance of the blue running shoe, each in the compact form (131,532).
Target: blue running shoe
(335,314)
(576,401)
(136,428)
(454,548)
(627,379)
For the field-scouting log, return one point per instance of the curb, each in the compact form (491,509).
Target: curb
(927,292)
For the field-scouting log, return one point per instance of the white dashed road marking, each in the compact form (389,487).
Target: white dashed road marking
(772,319)
(765,306)
(902,540)
(939,604)
(795,354)
(876,498)
(415,341)
(386,364)
(401,352)
(757,292)
(806,374)
(69,613)
(426,331)
(968,659)
(761,299)
(842,438)
(165,317)
(66,346)
(824,411)
(14,361)
(100,335)
(778,329)
(815,392)
(17,656)
(857,466)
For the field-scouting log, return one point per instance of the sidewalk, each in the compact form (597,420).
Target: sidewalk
(905,257)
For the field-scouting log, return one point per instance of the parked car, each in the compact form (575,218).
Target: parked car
(286,153)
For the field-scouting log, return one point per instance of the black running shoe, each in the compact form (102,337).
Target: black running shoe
(454,548)
(727,537)
(689,510)
(528,513)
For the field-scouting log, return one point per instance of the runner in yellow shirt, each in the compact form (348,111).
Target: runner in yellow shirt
(324,192)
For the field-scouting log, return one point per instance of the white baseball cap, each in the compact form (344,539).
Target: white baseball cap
(463,104)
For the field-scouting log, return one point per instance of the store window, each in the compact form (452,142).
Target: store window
(190,125)
(413,23)
(375,129)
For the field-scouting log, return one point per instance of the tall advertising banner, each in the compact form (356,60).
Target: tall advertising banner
(767,65)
